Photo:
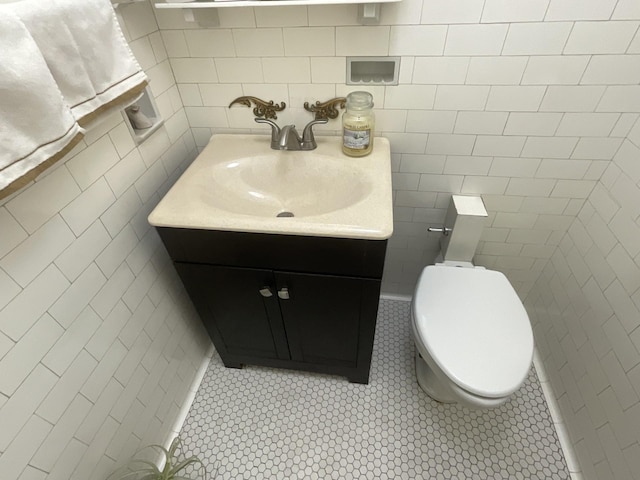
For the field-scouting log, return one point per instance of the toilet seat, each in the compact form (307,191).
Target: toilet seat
(475,329)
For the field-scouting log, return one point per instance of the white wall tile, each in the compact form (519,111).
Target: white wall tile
(289,16)
(210,43)
(417,40)
(28,260)
(258,42)
(440,70)
(514,167)
(212,117)
(30,304)
(475,39)
(571,99)
(34,206)
(88,206)
(410,97)
(626,231)
(587,124)
(83,251)
(507,11)
(430,121)
(20,361)
(600,37)
(99,412)
(150,181)
(16,457)
(441,143)
(545,38)
(68,460)
(441,183)
(362,40)
(422,163)
(319,41)
(121,139)
(194,70)
(580,10)
(12,232)
(626,192)
(175,43)
(116,252)
(555,69)
(573,188)
(626,9)
(93,162)
(8,289)
(401,13)
(461,97)
(623,98)
(596,148)
(496,70)
(498,146)
(286,70)
(460,11)
(627,159)
(530,187)
(17,411)
(491,123)
(612,69)
(565,169)
(332,15)
(53,446)
(190,94)
(112,291)
(328,70)
(515,98)
(91,461)
(217,95)
(537,124)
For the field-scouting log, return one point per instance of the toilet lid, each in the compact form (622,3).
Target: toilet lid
(475,328)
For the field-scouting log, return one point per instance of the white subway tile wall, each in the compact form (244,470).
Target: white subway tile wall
(531,105)
(99,346)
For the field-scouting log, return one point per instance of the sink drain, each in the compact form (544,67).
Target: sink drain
(285,214)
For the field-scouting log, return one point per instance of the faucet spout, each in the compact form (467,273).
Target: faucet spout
(289,138)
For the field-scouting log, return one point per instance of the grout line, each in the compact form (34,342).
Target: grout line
(554,408)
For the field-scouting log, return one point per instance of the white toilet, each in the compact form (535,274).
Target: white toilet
(474,343)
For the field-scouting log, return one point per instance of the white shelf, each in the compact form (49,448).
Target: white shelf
(263,3)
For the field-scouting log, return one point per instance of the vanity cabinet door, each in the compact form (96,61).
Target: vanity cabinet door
(329,319)
(239,308)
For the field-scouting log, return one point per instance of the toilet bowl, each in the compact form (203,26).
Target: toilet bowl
(474,343)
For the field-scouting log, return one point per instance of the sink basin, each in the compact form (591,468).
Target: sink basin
(288,184)
(238,183)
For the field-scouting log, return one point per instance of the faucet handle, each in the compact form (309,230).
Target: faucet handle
(275,131)
(308,139)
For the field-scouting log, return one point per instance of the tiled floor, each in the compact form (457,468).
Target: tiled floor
(260,423)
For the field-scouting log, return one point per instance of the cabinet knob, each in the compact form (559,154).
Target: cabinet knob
(266,292)
(283,293)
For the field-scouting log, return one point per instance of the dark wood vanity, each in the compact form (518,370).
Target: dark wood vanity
(288,301)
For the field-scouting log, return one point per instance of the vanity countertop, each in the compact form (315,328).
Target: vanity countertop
(239,184)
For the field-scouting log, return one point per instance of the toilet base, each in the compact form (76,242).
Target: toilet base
(431,384)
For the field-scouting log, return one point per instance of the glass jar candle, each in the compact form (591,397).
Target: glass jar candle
(358,122)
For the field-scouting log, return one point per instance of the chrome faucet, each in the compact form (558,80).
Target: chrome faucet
(288,138)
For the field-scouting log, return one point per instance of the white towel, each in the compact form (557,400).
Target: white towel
(86,52)
(36,126)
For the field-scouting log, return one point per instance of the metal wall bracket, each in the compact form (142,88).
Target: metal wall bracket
(369,13)
(203,17)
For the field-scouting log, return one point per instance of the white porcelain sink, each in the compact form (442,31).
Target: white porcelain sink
(296,183)
(238,183)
